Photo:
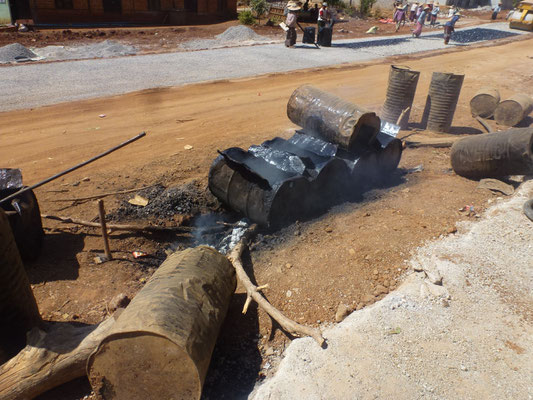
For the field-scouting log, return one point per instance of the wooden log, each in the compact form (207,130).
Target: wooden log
(512,111)
(161,345)
(50,359)
(485,102)
(18,308)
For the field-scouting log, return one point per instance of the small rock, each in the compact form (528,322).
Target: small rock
(102,115)
(464,368)
(342,312)
(434,277)
(288,265)
(352,252)
(119,301)
(188,147)
(367,298)
(375,272)
(329,229)
(297,232)
(289,293)
(142,280)
(65,316)
(269,351)
(380,289)
(86,179)
(76,316)
(75,183)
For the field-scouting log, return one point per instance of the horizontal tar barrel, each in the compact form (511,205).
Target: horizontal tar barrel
(160,346)
(485,102)
(273,206)
(331,118)
(494,155)
(512,111)
(442,100)
(400,93)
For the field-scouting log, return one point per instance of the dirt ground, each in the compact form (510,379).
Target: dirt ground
(353,255)
(168,38)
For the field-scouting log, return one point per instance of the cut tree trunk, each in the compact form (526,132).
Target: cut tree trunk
(161,345)
(18,309)
(50,359)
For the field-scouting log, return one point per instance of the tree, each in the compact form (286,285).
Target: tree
(259,7)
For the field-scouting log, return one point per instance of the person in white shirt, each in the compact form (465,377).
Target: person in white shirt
(412,14)
(434,14)
(496,10)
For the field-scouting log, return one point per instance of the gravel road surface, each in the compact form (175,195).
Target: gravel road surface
(470,336)
(34,85)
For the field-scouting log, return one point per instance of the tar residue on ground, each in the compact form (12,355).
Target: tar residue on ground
(164,203)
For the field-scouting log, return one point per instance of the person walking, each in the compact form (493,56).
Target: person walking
(291,23)
(434,14)
(399,15)
(495,11)
(449,26)
(430,5)
(420,21)
(412,13)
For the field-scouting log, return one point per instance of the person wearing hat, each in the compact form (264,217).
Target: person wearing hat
(434,14)
(412,13)
(449,26)
(496,10)
(420,21)
(291,22)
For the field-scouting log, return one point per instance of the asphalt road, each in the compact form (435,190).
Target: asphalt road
(33,85)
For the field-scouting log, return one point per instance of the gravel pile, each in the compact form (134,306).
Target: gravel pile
(459,327)
(234,35)
(105,49)
(16,52)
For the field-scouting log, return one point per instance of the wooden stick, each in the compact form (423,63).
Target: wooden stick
(485,124)
(252,292)
(101,211)
(120,227)
(99,196)
(400,117)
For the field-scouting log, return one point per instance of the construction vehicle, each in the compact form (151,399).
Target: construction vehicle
(522,16)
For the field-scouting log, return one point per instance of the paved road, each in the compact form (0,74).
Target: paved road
(34,85)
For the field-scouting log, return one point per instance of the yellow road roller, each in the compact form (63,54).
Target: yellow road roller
(522,16)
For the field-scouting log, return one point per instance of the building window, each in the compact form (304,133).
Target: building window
(64,4)
(154,5)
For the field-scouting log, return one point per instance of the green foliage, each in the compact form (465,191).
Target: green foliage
(246,17)
(366,6)
(259,7)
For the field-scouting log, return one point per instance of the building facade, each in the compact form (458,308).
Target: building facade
(64,12)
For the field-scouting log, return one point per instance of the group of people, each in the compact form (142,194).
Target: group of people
(418,12)
(323,16)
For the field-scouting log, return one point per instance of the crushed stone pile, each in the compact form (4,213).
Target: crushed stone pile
(238,33)
(105,49)
(16,52)
(234,35)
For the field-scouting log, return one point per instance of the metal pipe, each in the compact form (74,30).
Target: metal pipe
(60,174)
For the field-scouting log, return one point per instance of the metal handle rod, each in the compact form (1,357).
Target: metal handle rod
(60,174)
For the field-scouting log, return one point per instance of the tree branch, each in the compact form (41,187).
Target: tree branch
(252,292)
